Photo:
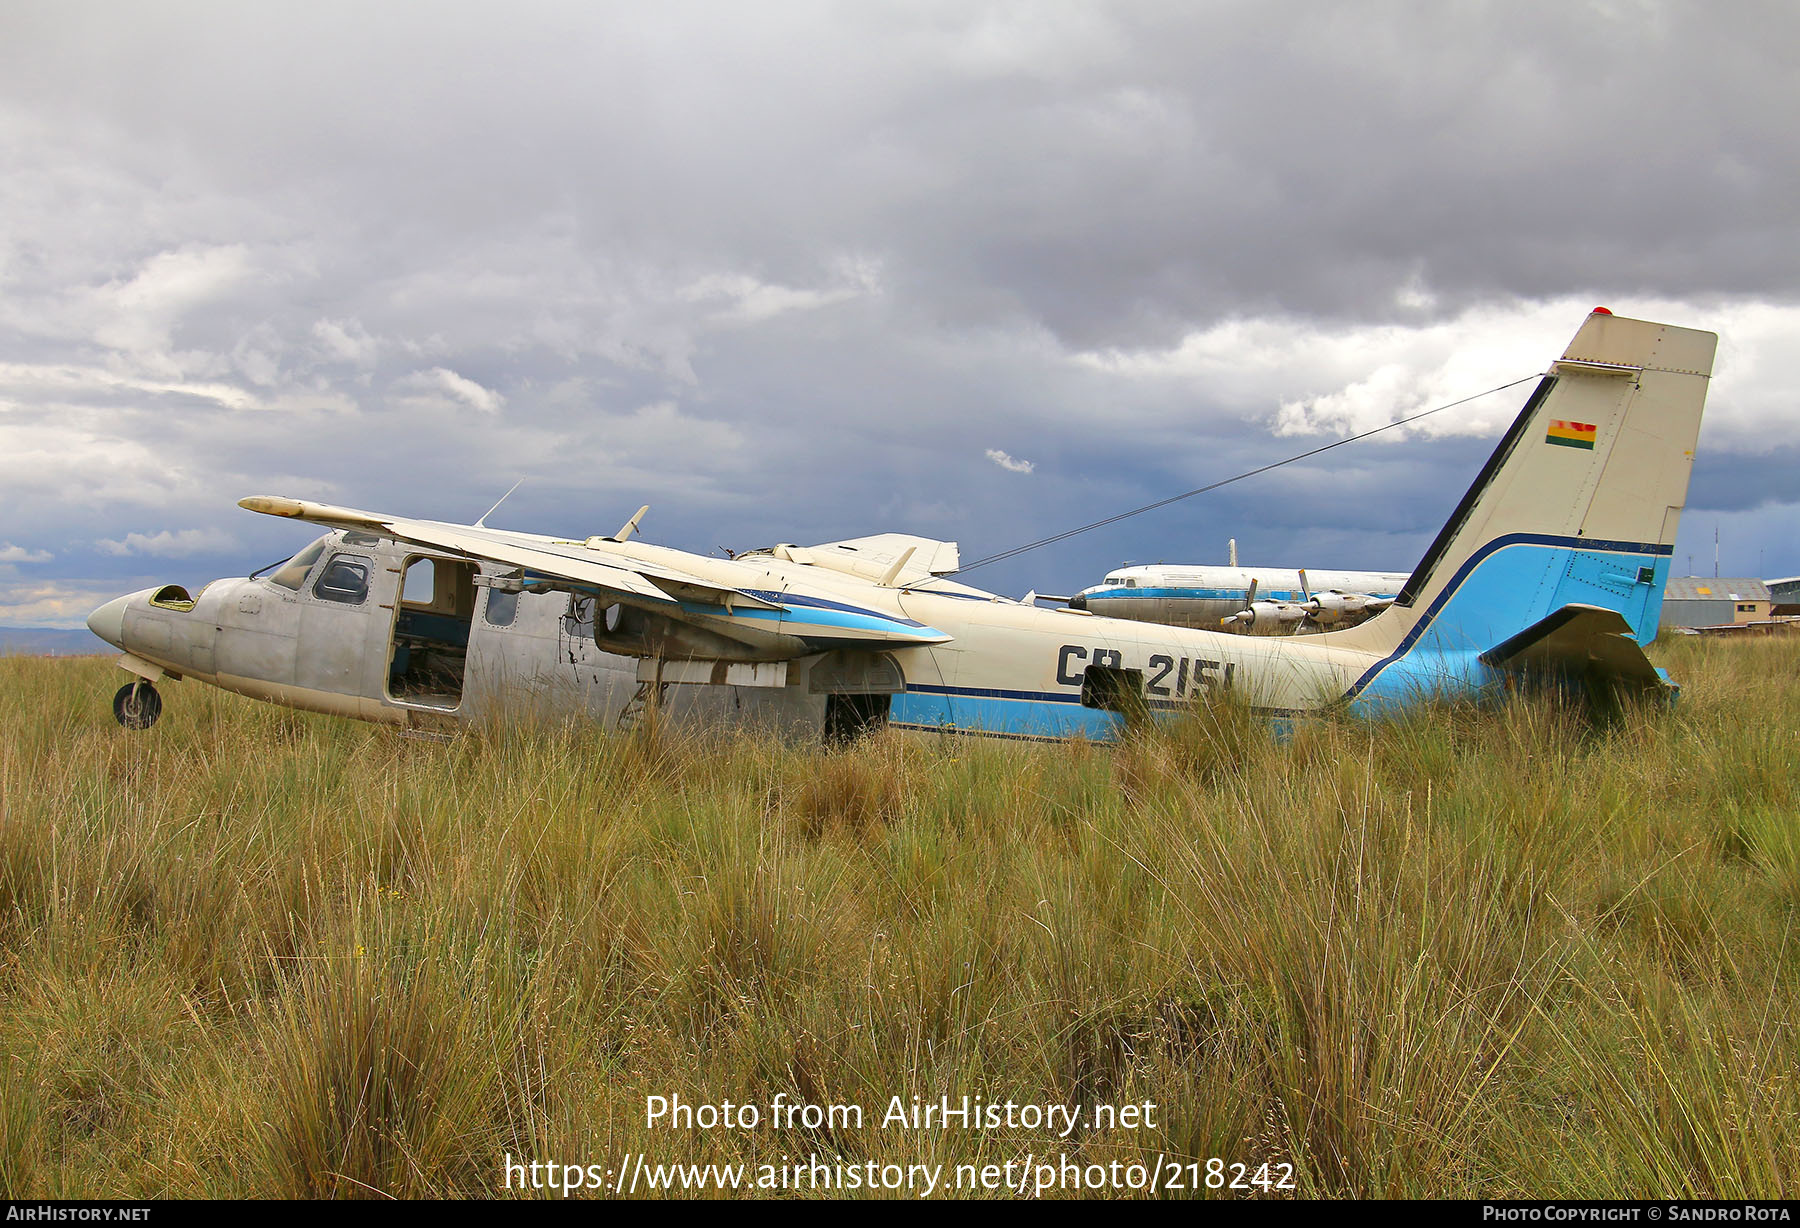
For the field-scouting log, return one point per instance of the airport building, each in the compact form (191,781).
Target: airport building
(1786,594)
(1699,601)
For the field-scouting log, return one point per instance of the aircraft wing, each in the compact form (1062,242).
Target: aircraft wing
(1579,641)
(683,615)
(564,563)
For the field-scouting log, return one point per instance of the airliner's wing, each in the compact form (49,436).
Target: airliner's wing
(1579,641)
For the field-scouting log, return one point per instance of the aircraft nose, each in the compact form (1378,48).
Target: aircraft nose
(108,622)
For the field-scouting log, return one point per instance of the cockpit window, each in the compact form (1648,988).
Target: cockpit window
(345,579)
(292,574)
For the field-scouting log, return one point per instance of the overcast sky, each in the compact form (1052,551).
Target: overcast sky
(796,271)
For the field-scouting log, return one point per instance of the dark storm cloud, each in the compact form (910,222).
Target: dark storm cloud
(1118,173)
(798,270)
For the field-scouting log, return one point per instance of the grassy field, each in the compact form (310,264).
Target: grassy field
(1470,954)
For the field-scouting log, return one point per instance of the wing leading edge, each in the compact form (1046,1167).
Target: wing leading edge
(771,624)
(576,563)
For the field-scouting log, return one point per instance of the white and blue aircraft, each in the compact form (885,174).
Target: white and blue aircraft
(1552,566)
(1197,595)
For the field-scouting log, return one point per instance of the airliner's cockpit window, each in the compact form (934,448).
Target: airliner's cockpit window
(292,574)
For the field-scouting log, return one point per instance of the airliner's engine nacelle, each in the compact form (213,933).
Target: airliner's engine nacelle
(1335,607)
(1265,616)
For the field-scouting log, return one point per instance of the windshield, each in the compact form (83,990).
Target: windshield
(292,574)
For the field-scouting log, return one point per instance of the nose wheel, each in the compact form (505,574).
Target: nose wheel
(137,705)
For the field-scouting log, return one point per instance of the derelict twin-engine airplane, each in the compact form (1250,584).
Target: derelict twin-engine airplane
(1552,565)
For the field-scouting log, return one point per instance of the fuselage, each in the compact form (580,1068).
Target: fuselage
(364,627)
(456,651)
(1200,596)
(1018,670)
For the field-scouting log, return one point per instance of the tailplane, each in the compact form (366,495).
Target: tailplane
(1578,642)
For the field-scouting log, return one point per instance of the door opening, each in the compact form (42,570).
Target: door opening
(848,717)
(432,617)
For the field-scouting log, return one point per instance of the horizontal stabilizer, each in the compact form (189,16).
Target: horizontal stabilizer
(872,558)
(1578,641)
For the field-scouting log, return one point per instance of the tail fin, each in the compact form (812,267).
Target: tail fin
(1578,505)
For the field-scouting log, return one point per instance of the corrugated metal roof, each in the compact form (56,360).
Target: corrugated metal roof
(1702,588)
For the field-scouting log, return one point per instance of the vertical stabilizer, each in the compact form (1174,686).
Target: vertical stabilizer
(1578,505)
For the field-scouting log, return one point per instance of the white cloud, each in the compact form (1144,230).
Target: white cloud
(72,386)
(440,387)
(139,316)
(346,341)
(1306,377)
(56,603)
(1009,463)
(167,544)
(10,553)
(749,300)
(76,465)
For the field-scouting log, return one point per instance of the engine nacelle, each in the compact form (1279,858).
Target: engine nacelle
(1333,607)
(634,632)
(1265,617)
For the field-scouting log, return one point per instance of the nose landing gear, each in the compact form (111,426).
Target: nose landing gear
(137,705)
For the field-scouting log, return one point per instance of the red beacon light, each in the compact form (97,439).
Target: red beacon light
(1601,311)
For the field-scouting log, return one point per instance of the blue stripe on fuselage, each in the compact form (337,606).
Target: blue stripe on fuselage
(1212,595)
(1204,594)
(1025,714)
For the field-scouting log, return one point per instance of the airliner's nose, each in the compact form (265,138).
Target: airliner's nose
(108,622)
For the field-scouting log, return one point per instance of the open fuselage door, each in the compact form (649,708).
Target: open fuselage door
(434,610)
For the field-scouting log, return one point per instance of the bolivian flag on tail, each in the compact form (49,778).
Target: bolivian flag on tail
(1571,434)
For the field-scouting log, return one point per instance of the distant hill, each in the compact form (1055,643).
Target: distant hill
(51,642)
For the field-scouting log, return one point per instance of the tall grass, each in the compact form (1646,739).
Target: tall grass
(1463,953)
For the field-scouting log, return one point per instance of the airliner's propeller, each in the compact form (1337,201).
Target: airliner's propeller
(1327,609)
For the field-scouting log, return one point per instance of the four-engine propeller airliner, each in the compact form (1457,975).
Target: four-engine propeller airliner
(1291,600)
(1552,565)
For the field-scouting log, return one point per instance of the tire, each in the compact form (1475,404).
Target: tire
(137,705)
